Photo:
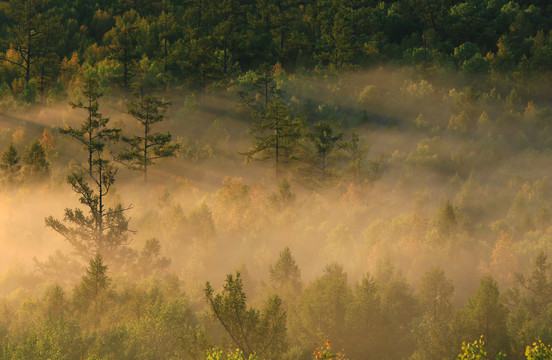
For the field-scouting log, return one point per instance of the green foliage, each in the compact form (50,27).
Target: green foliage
(435,333)
(122,42)
(286,272)
(32,31)
(205,43)
(473,351)
(10,163)
(55,302)
(29,93)
(284,59)
(538,351)
(167,330)
(62,339)
(538,285)
(252,331)
(102,231)
(202,223)
(94,133)
(34,158)
(436,295)
(259,89)
(357,153)
(319,153)
(150,262)
(322,309)
(144,149)
(284,196)
(216,354)
(432,153)
(486,314)
(276,135)
(369,95)
(447,219)
(93,284)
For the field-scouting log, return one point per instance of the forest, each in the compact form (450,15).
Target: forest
(275,179)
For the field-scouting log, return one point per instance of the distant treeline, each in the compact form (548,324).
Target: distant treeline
(45,44)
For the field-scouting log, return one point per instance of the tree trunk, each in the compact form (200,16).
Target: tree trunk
(146,133)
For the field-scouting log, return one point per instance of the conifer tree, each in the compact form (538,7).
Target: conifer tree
(123,44)
(318,151)
(262,90)
(169,31)
(284,196)
(10,162)
(103,230)
(286,272)
(357,153)
(486,314)
(95,281)
(275,135)
(252,331)
(145,148)
(35,160)
(94,133)
(89,296)
(32,33)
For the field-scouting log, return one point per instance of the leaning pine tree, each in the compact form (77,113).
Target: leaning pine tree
(96,229)
(262,333)
(142,150)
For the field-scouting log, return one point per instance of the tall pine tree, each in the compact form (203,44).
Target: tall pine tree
(142,150)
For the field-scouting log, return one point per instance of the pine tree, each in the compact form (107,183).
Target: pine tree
(275,134)
(123,44)
(96,280)
(90,295)
(252,331)
(318,152)
(144,149)
(32,33)
(321,310)
(10,163)
(284,196)
(286,272)
(150,262)
(101,231)
(36,164)
(94,132)
(261,91)
(487,315)
(435,295)
(169,31)
(357,153)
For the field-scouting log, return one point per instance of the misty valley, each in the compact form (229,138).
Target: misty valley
(275,180)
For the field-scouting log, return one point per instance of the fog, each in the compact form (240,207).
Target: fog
(393,219)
